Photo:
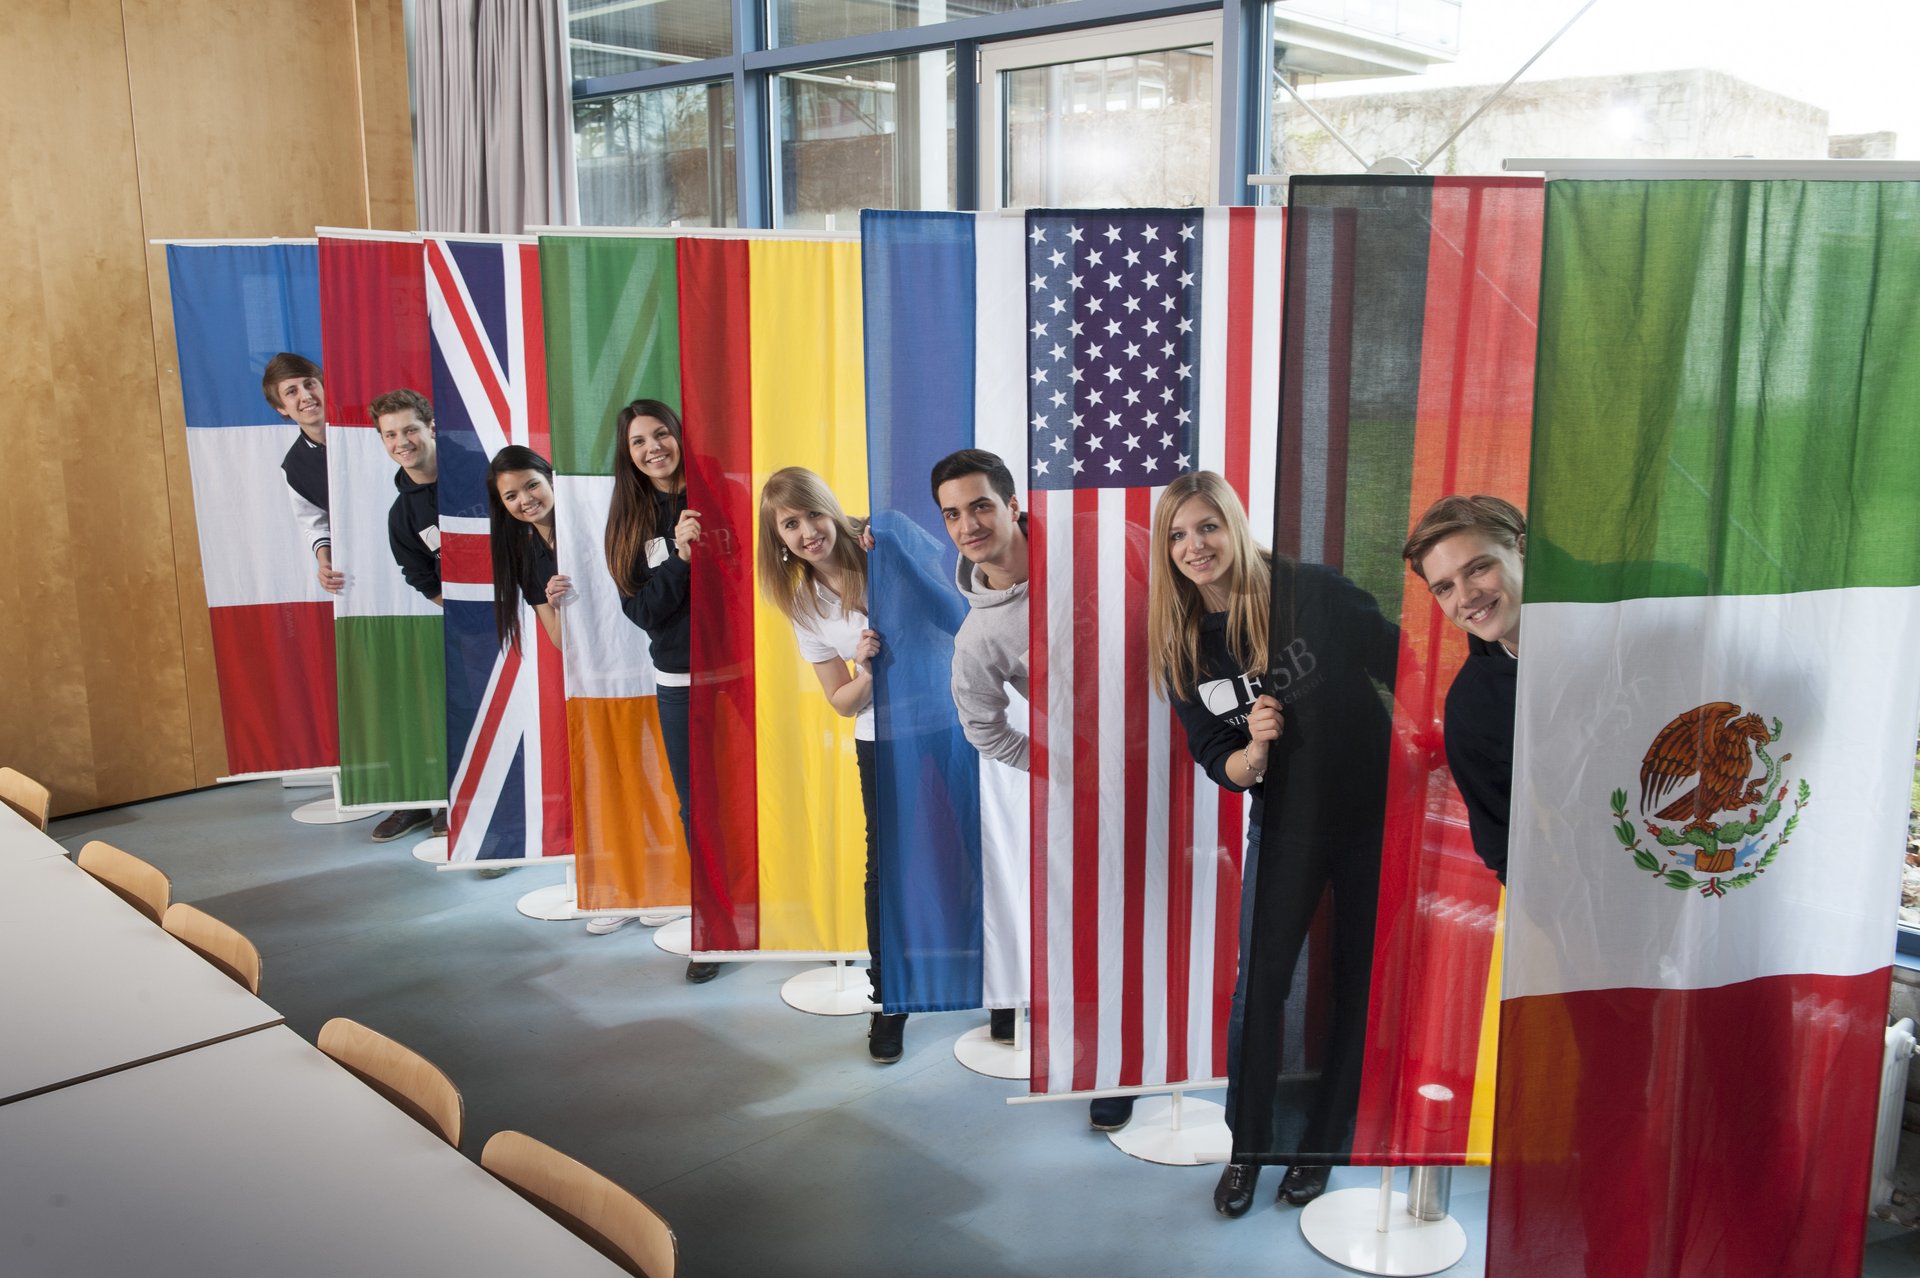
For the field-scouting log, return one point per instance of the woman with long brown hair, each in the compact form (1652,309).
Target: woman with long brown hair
(812,566)
(1278,716)
(650,543)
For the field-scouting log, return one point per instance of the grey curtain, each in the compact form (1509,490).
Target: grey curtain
(493,99)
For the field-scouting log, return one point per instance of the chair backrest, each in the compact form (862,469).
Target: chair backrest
(605,1216)
(399,1073)
(26,796)
(141,885)
(219,943)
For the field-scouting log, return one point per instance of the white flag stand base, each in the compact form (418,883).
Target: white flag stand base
(432,850)
(980,1052)
(838,990)
(316,779)
(1371,1230)
(1176,1130)
(555,904)
(675,937)
(326,812)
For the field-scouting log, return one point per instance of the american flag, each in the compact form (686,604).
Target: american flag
(506,716)
(1153,342)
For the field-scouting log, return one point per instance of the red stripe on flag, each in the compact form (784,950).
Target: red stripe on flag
(1704,1133)
(476,346)
(1239,390)
(1293,370)
(277,701)
(483,740)
(556,772)
(1181,850)
(1226,915)
(716,386)
(539,435)
(1132,741)
(1087,976)
(466,558)
(1040,769)
(374,331)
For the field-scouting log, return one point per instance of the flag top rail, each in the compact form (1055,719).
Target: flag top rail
(1753,170)
(699,232)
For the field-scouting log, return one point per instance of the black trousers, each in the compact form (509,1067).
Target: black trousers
(863,753)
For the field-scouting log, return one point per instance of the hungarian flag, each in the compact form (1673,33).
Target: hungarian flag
(1408,374)
(1153,340)
(511,796)
(945,371)
(1717,694)
(610,316)
(387,635)
(236,306)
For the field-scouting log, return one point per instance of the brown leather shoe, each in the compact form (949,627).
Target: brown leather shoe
(405,821)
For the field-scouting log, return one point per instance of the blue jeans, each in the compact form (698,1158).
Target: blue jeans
(1236,1017)
(673,704)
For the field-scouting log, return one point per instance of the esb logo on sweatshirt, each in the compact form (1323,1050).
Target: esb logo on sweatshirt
(1230,699)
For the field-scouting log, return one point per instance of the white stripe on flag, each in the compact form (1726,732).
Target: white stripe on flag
(251,550)
(360,492)
(1600,682)
(518,427)
(465,525)
(1203,883)
(1153,930)
(1110,736)
(1216,267)
(606,655)
(469,377)
(999,345)
(1269,296)
(493,762)
(1058,508)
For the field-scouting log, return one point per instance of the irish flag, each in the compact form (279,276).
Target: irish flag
(1716,706)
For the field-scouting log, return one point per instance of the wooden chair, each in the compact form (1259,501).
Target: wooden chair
(26,796)
(399,1073)
(219,943)
(605,1216)
(139,884)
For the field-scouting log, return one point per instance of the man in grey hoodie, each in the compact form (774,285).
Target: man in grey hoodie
(975,493)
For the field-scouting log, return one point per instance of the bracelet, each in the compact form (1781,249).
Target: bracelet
(1254,777)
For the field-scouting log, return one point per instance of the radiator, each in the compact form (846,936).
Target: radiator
(1893,1096)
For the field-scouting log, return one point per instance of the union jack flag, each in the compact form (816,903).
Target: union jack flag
(511,798)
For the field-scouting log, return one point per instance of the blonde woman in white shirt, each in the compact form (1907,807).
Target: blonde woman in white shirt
(813,567)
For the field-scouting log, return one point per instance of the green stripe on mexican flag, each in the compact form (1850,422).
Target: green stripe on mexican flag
(1718,693)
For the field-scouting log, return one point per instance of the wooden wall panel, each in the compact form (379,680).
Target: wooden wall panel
(188,119)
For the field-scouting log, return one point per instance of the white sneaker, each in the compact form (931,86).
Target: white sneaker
(659,918)
(607,923)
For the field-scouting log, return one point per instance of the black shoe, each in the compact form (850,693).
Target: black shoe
(493,871)
(1304,1183)
(884,1034)
(1234,1194)
(1000,1023)
(701,973)
(405,821)
(440,822)
(1110,1113)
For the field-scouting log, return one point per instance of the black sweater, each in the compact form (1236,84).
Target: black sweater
(305,467)
(538,566)
(413,533)
(1328,769)
(658,604)
(1480,746)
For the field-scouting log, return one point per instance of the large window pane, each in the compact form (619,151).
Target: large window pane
(657,157)
(1129,131)
(805,21)
(608,37)
(865,135)
(1434,24)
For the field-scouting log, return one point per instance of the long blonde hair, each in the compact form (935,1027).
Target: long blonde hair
(789,581)
(1175,605)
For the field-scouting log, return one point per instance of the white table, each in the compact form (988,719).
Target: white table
(255,1156)
(89,985)
(22,840)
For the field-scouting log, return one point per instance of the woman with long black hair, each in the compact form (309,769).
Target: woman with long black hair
(526,563)
(650,541)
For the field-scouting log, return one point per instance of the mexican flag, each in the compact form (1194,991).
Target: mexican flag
(1716,707)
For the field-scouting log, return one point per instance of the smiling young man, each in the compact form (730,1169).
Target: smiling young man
(974,490)
(295,388)
(1471,552)
(404,419)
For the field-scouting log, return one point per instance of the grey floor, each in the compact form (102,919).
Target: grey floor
(764,1135)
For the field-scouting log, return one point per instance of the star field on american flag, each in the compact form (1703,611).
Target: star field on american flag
(1113,347)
